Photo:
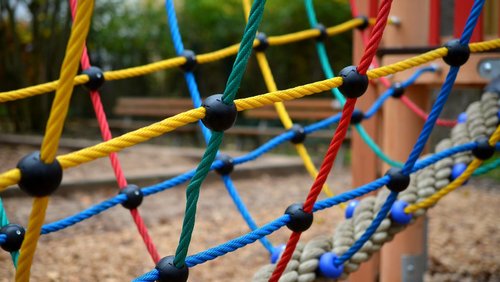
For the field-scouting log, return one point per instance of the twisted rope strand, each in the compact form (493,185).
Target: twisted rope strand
(113,157)
(53,132)
(233,83)
(196,98)
(283,115)
(177,61)
(116,144)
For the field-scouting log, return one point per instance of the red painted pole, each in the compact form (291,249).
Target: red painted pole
(435,23)
(461,11)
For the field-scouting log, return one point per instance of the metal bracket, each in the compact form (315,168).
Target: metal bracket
(413,267)
(489,68)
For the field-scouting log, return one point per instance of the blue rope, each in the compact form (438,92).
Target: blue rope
(268,146)
(388,93)
(196,98)
(147,191)
(321,124)
(358,192)
(445,91)
(151,276)
(379,103)
(431,120)
(188,75)
(182,178)
(225,248)
(422,139)
(381,215)
(244,211)
(237,243)
(472,21)
(85,214)
(267,229)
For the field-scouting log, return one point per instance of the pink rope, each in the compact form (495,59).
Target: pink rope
(406,101)
(115,163)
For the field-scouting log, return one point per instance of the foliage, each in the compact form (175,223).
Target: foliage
(134,32)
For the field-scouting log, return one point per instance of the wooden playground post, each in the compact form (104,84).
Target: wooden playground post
(404,258)
(397,127)
(365,164)
(399,130)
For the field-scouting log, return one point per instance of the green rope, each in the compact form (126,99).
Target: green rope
(233,83)
(376,149)
(192,195)
(246,47)
(328,71)
(487,167)
(4,221)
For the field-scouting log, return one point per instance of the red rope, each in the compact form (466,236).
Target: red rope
(287,255)
(331,153)
(115,163)
(375,37)
(406,101)
(412,106)
(337,139)
(320,180)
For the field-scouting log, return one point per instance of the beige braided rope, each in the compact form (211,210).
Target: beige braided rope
(482,120)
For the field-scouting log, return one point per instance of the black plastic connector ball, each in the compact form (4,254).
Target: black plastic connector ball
(365,24)
(397,90)
(15,236)
(219,116)
(134,196)
(227,164)
(263,42)
(484,150)
(300,221)
(357,116)
(191,62)
(299,134)
(96,78)
(168,272)
(399,181)
(39,179)
(354,84)
(458,53)
(323,34)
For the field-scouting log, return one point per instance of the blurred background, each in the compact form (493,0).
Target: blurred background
(131,33)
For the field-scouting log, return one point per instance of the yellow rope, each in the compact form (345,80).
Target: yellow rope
(130,139)
(346,26)
(432,200)
(408,63)
(143,70)
(282,112)
(55,124)
(28,248)
(176,62)
(170,124)
(484,46)
(37,89)
(69,67)
(9,178)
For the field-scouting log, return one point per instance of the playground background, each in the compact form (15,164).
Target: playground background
(461,247)
(464,233)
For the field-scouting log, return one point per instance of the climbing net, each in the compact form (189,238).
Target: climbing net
(474,139)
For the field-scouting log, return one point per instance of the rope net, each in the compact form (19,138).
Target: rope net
(360,235)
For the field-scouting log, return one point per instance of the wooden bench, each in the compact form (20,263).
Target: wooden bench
(133,109)
(151,107)
(302,109)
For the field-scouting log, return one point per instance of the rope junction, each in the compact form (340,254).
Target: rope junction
(357,238)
